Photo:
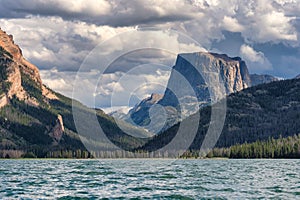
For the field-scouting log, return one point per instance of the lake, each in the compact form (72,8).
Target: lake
(149,179)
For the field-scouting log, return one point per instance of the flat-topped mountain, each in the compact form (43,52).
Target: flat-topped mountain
(203,71)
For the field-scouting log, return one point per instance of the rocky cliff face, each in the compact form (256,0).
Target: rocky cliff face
(203,72)
(15,69)
(257,79)
(57,131)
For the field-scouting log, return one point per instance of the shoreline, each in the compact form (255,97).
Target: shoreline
(219,158)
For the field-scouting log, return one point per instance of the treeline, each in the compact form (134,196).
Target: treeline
(288,147)
(69,154)
(272,148)
(50,154)
(281,148)
(82,154)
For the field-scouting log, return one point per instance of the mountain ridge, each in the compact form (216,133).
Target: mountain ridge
(36,121)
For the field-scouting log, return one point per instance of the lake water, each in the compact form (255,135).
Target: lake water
(149,179)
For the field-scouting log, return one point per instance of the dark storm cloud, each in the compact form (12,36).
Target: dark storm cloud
(101,12)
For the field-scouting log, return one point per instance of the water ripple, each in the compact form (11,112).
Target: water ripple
(149,179)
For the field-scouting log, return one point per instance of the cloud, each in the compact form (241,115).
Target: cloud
(61,82)
(110,89)
(65,44)
(56,42)
(256,60)
(258,20)
(272,26)
(101,12)
(65,9)
(232,24)
(127,89)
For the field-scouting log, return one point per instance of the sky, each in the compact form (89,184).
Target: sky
(139,39)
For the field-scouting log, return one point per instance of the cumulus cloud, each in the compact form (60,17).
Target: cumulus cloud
(127,89)
(61,82)
(56,42)
(256,60)
(232,24)
(110,89)
(258,20)
(273,26)
(64,82)
(66,9)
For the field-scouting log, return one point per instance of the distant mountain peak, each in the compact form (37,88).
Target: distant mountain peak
(154,98)
(257,79)
(298,77)
(146,103)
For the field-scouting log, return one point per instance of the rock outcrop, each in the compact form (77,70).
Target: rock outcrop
(15,69)
(57,131)
(7,43)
